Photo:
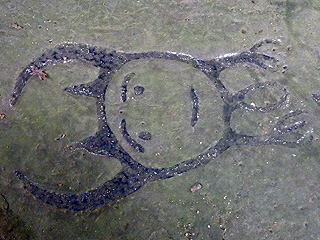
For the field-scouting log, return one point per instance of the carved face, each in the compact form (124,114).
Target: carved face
(170,109)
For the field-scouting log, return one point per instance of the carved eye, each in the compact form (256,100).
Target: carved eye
(138,90)
(145,136)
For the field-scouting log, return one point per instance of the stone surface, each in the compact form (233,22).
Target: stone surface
(273,193)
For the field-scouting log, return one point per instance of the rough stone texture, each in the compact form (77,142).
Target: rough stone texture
(265,192)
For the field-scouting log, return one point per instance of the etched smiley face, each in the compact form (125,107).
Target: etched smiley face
(163,112)
(180,108)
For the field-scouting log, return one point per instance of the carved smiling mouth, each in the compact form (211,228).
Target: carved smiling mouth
(133,143)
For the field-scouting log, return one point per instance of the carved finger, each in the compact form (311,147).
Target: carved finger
(286,117)
(292,127)
(265,41)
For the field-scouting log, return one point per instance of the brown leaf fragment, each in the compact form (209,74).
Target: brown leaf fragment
(39,72)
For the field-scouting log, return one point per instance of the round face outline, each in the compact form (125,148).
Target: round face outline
(180,110)
(134,175)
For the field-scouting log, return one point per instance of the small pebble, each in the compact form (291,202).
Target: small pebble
(2,116)
(195,187)
(16,26)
